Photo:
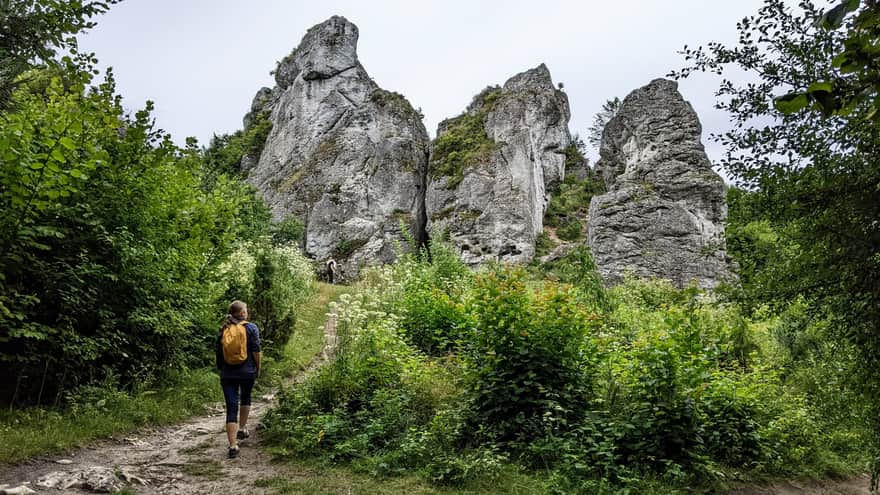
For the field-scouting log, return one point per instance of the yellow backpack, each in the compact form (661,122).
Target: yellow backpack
(234,343)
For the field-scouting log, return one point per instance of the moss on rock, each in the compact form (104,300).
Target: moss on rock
(463,142)
(395,103)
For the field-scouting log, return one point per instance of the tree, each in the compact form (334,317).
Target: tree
(857,80)
(31,31)
(110,242)
(805,143)
(609,110)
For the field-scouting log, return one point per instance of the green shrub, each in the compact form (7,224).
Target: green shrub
(578,268)
(641,387)
(543,245)
(661,413)
(273,281)
(730,428)
(571,201)
(396,103)
(287,231)
(433,316)
(224,153)
(363,406)
(111,241)
(571,230)
(346,247)
(432,320)
(573,156)
(254,137)
(530,359)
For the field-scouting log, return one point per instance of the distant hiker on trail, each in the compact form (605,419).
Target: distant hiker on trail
(331,270)
(238,359)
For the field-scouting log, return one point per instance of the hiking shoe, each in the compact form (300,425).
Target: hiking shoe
(242,434)
(233,452)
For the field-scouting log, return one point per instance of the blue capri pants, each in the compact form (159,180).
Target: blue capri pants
(231,388)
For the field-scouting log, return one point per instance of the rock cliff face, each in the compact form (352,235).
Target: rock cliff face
(353,162)
(344,156)
(665,207)
(491,167)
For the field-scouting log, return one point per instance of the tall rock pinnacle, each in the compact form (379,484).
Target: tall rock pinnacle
(664,213)
(344,156)
(491,168)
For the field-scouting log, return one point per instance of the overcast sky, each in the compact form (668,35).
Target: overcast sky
(201,61)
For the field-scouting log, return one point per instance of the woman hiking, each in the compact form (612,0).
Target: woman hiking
(238,359)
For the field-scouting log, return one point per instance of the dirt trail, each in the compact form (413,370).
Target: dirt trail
(188,458)
(857,485)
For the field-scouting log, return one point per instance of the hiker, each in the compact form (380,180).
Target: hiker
(238,359)
(331,270)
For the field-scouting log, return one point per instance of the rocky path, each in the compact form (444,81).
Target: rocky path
(857,485)
(188,458)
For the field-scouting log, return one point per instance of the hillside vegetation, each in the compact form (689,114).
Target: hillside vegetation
(461,376)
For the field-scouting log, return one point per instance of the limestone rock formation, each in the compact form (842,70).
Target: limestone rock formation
(344,156)
(492,166)
(664,211)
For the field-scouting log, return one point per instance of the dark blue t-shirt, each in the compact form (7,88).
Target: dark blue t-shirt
(247,369)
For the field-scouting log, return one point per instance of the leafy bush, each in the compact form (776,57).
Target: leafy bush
(274,281)
(224,153)
(346,247)
(578,268)
(638,387)
(730,428)
(368,402)
(571,230)
(429,300)
(288,231)
(661,411)
(530,361)
(571,201)
(111,241)
(543,245)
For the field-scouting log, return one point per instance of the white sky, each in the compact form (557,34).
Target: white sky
(201,61)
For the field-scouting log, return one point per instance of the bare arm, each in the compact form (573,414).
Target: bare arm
(258,356)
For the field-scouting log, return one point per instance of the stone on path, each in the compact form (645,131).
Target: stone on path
(97,479)
(18,490)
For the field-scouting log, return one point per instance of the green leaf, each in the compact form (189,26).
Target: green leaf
(833,19)
(58,156)
(67,143)
(850,67)
(791,102)
(825,86)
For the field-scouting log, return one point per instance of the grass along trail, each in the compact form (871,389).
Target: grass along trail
(188,458)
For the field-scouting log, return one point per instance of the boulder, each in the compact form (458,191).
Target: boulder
(345,157)
(492,166)
(664,212)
